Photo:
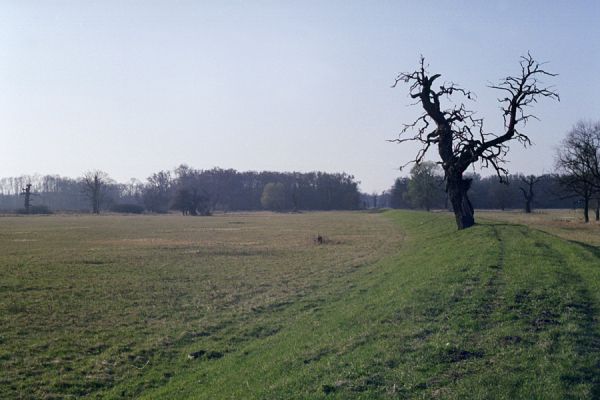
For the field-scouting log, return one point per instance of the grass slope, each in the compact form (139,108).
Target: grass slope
(496,311)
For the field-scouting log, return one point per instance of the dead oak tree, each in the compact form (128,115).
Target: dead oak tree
(459,136)
(527,191)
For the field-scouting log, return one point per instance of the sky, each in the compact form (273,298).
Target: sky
(134,87)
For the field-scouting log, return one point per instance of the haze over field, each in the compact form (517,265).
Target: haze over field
(133,88)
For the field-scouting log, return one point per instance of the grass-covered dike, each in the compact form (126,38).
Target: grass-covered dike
(395,305)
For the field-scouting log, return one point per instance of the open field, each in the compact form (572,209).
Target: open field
(88,303)
(393,305)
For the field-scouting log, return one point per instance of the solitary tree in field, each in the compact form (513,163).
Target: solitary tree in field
(578,163)
(528,193)
(94,188)
(459,136)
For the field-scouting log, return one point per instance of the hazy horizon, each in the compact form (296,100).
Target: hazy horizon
(132,88)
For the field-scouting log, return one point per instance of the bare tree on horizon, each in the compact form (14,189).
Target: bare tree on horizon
(94,185)
(528,192)
(578,163)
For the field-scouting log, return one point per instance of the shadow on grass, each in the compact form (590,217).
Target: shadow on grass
(587,344)
(588,341)
(595,250)
(582,310)
(586,338)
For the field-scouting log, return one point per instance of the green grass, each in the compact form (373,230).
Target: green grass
(394,305)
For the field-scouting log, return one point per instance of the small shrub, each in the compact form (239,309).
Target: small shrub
(35,210)
(127,208)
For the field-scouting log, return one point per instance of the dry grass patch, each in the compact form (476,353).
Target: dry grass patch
(567,224)
(87,302)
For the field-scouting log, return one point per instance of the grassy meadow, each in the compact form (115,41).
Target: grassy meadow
(392,305)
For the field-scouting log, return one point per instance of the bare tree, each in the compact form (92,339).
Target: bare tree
(27,194)
(578,163)
(528,192)
(158,192)
(459,135)
(94,187)
(191,196)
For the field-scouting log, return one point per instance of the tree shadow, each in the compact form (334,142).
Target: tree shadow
(586,370)
(582,311)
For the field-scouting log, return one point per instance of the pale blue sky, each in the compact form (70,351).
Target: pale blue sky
(132,87)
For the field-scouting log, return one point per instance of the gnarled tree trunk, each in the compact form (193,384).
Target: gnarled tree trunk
(457,188)
(528,205)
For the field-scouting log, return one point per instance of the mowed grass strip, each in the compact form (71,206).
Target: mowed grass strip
(493,312)
(92,303)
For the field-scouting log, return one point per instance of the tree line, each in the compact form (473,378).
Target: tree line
(185,189)
(427,192)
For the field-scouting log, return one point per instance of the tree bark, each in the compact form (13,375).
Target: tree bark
(96,204)
(528,206)
(586,205)
(597,209)
(463,210)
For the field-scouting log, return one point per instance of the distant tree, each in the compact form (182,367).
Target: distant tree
(191,194)
(273,196)
(459,136)
(425,185)
(384,199)
(131,192)
(191,201)
(94,188)
(27,195)
(295,194)
(374,196)
(578,163)
(528,183)
(158,191)
(398,193)
(499,193)
(182,202)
